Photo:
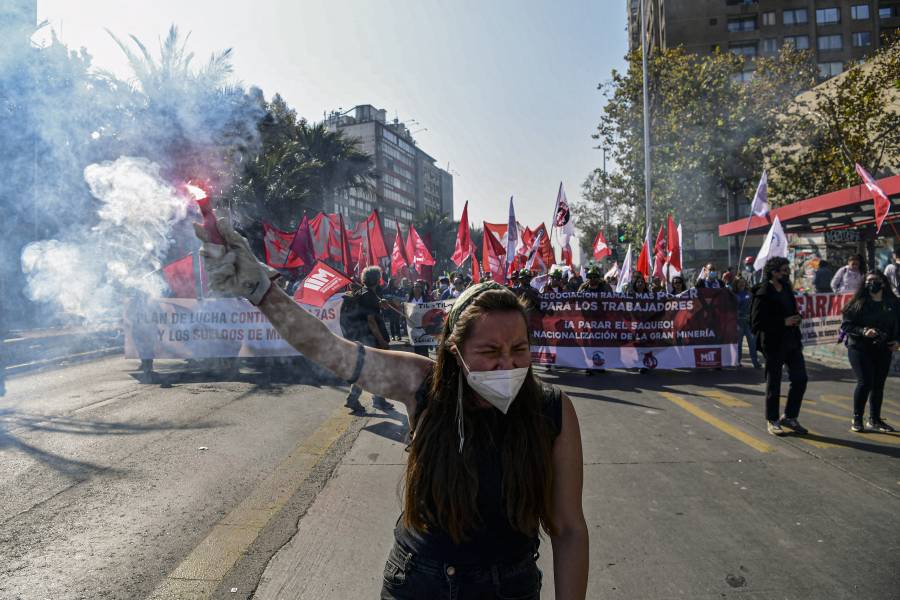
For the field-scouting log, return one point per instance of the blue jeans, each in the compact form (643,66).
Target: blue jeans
(744,332)
(409,577)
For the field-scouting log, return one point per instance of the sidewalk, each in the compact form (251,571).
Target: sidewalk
(342,542)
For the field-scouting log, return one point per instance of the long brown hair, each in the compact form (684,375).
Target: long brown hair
(441,485)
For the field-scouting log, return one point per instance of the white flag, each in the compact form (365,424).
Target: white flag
(562,216)
(512,234)
(774,245)
(614,271)
(625,272)
(760,206)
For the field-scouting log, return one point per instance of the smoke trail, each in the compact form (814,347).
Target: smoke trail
(89,273)
(91,164)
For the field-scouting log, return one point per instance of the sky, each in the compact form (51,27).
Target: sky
(503,91)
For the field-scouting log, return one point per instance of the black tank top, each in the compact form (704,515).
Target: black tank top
(496,542)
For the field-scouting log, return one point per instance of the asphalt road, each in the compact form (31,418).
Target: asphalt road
(105,491)
(107,484)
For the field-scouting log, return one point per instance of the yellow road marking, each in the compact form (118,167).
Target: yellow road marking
(723,398)
(817,443)
(718,423)
(824,414)
(846,402)
(199,573)
(890,438)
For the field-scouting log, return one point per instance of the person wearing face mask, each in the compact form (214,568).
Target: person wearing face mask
(872,323)
(775,322)
(709,278)
(495,456)
(555,285)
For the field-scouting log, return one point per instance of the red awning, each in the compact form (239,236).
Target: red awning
(843,209)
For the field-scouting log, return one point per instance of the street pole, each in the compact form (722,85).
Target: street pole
(644,49)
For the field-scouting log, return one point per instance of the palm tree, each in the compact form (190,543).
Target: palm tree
(187,118)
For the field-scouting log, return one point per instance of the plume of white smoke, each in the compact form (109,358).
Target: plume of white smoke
(90,271)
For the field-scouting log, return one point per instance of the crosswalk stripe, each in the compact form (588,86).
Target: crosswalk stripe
(718,423)
(723,398)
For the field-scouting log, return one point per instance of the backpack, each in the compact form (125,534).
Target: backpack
(349,320)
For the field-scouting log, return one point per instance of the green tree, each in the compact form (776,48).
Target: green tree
(704,123)
(853,118)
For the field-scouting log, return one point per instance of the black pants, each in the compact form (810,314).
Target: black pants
(408,577)
(776,359)
(396,324)
(871,366)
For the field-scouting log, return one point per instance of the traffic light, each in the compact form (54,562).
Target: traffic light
(621,235)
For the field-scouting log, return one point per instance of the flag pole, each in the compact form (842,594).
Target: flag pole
(744,239)
(646,90)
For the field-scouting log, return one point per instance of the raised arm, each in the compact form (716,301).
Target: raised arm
(570,540)
(234,269)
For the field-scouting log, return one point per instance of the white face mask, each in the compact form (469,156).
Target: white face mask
(499,387)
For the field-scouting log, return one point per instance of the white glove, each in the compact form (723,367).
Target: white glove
(233,269)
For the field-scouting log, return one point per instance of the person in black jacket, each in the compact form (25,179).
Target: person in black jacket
(776,323)
(872,324)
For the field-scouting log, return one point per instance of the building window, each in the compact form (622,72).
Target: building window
(887,12)
(770,46)
(797,16)
(829,42)
(768,18)
(799,42)
(830,69)
(742,24)
(859,12)
(828,16)
(747,50)
(862,39)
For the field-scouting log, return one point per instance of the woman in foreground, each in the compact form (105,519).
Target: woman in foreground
(495,456)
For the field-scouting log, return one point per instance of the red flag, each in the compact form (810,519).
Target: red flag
(377,248)
(302,245)
(398,255)
(600,248)
(179,276)
(320,285)
(659,252)
(278,248)
(476,268)
(493,250)
(416,250)
(346,256)
(495,232)
(548,256)
(673,245)
(882,202)
(643,262)
(463,248)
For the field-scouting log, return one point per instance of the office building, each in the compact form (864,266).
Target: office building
(839,32)
(410,182)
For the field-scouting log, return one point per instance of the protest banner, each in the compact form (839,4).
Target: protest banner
(821,314)
(425,321)
(210,328)
(696,329)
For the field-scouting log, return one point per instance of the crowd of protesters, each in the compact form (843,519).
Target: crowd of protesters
(767,319)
